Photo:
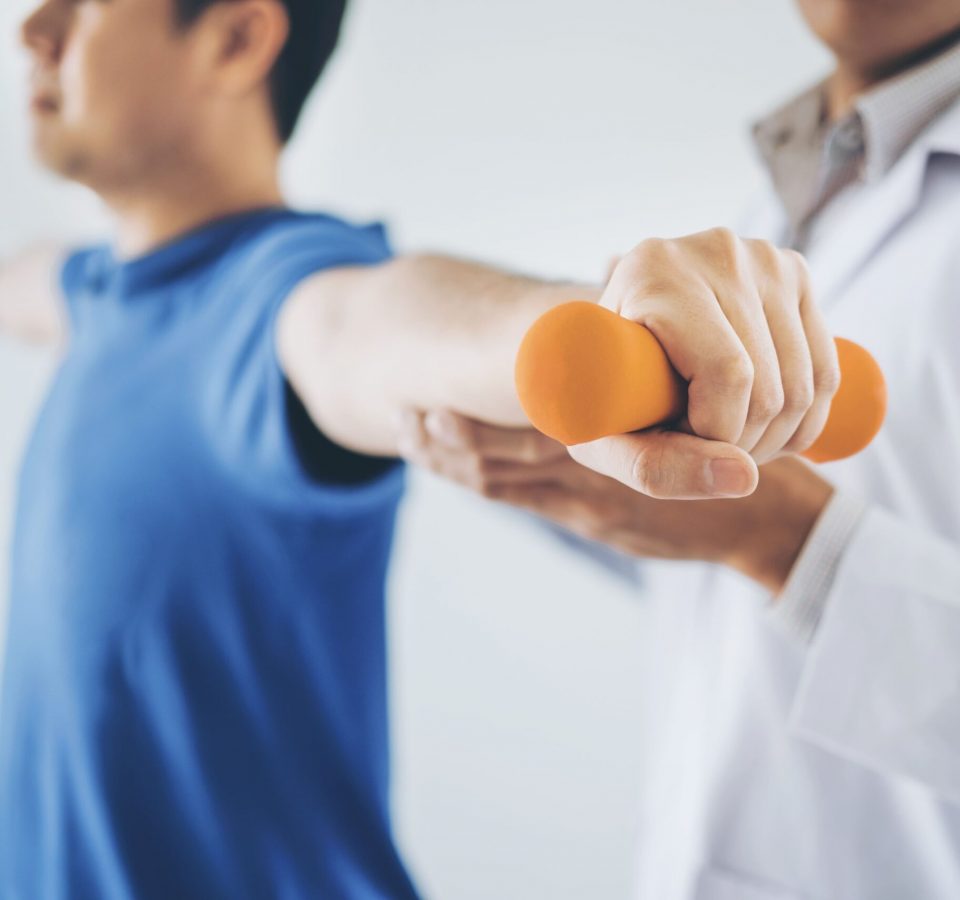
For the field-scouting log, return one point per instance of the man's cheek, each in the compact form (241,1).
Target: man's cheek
(87,84)
(73,84)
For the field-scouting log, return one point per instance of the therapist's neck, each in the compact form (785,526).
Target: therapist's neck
(852,78)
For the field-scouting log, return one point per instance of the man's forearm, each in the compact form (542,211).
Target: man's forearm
(359,345)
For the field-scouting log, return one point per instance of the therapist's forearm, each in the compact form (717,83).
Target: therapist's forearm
(776,523)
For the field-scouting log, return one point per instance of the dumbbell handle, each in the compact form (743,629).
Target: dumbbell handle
(583,372)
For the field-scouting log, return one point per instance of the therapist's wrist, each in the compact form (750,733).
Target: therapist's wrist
(777,520)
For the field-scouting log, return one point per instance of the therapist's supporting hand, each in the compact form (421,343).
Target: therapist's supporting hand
(760,535)
(737,320)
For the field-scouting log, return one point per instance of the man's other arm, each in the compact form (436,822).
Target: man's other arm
(31,302)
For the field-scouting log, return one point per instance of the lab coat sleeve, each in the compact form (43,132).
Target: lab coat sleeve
(881,679)
(801,602)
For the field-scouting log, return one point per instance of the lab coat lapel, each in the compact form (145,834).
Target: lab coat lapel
(860,224)
(857,227)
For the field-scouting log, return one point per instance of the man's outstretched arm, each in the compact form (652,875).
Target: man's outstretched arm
(359,345)
(31,303)
(734,317)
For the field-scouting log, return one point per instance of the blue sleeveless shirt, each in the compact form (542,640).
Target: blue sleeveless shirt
(193,697)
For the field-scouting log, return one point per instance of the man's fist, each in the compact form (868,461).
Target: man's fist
(737,321)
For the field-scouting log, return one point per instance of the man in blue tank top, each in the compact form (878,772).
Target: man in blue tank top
(194,684)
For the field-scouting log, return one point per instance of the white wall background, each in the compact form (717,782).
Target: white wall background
(545,135)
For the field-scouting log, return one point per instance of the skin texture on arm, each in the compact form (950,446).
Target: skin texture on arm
(31,307)
(359,345)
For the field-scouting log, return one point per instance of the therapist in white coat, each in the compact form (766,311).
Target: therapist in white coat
(805,695)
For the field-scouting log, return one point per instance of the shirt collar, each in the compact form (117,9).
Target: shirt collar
(799,119)
(167,263)
(809,158)
(896,111)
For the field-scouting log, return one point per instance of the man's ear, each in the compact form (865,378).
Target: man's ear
(249,36)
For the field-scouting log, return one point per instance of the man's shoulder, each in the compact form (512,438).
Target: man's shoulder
(311,241)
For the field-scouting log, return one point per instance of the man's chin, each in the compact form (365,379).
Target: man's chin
(57,156)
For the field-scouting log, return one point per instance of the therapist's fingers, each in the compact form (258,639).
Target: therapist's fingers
(457,456)
(669,465)
(491,442)
(417,447)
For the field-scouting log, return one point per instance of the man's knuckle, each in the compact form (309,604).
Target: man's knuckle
(765,405)
(797,262)
(799,398)
(652,260)
(826,379)
(724,237)
(636,262)
(651,269)
(734,371)
(730,247)
(798,443)
(649,247)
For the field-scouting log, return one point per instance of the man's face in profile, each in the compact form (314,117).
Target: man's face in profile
(112,86)
(874,34)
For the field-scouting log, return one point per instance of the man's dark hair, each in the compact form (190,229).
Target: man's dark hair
(314,30)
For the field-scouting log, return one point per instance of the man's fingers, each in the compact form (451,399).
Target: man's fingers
(669,286)
(780,277)
(767,388)
(719,372)
(668,465)
(796,370)
(611,268)
(826,375)
(709,354)
(735,318)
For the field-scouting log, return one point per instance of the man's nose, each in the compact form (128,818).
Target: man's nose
(42,31)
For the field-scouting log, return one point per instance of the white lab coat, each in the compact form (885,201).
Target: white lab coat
(780,770)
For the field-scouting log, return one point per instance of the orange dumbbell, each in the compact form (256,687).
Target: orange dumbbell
(584,372)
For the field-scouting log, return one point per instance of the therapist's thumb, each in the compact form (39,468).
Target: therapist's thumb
(671,465)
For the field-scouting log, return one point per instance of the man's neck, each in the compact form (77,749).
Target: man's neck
(151,221)
(851,79)
(171,199)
